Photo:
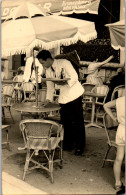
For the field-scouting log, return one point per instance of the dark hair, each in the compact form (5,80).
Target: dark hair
(44,55)
(36,48)
(73,58)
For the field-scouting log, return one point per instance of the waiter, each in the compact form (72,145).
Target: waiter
(70,100)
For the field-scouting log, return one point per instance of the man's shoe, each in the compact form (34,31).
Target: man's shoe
(78,152)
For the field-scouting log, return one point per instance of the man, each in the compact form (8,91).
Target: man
(70,100)
(29,72)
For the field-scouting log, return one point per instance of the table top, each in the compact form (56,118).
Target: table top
(9,81)
(55,79)
(31,107)
(94,94)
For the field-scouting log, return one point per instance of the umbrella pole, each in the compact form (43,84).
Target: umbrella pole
(36,73)
(36,78)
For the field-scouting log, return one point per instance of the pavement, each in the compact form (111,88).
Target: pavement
(12,185)
(80,174)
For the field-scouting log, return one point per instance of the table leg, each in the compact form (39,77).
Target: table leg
(93,124)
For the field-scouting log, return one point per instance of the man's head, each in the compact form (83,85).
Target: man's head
(35,51)
(45,58)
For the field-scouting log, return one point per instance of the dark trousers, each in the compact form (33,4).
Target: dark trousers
(73,123)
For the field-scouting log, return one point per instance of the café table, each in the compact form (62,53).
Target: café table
(31,108)
(9,81)
(94,96)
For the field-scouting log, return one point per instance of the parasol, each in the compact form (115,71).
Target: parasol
(20,34)
(117,34)
(47,32)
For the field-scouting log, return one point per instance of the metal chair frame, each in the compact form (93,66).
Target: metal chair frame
(87,101)
(18,88)
(110,128)
(28,88)
(104,89)
(120,90)
(7,93)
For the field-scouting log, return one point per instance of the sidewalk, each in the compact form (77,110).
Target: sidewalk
(12,185)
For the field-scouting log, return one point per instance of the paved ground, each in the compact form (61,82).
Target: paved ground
(80,174)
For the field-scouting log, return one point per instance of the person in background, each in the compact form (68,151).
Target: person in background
(29,71)
(2,72)
(119,103)
(70,100)
(118,79)
(93,70)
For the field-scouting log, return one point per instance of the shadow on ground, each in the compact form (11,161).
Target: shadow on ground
(80,174)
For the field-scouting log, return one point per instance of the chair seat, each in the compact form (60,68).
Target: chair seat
(38,144)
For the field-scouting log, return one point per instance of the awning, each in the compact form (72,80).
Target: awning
(117,34)
(58,7)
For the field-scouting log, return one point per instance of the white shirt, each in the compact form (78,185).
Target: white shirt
(27,70)
(69,92)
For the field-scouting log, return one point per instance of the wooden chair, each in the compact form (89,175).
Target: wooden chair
(18,87)
(87,101)
(29,91)
(118,91)
(45,136)
(110,128)
(103,90)
(87,88)
(7,93)
(6,128)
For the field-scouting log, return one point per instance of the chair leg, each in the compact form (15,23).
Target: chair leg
(106,154)
(11,114)
(51,167)
(26,163)
(3,114)
(61,154)
(8,145)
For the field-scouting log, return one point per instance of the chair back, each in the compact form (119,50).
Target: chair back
(102,90)
(28,87)
(41,134)
(118,91)
(110,127)
(18,78)
(7,90)
(20,70)
(87,88)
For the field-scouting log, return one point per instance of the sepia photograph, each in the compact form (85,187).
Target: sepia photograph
(62,97)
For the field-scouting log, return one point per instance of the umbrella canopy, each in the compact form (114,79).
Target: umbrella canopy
(26,10)
(117,34)
(47,32)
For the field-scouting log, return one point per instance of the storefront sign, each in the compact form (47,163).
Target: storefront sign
(63,7)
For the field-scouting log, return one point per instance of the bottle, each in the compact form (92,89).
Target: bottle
(62,74)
